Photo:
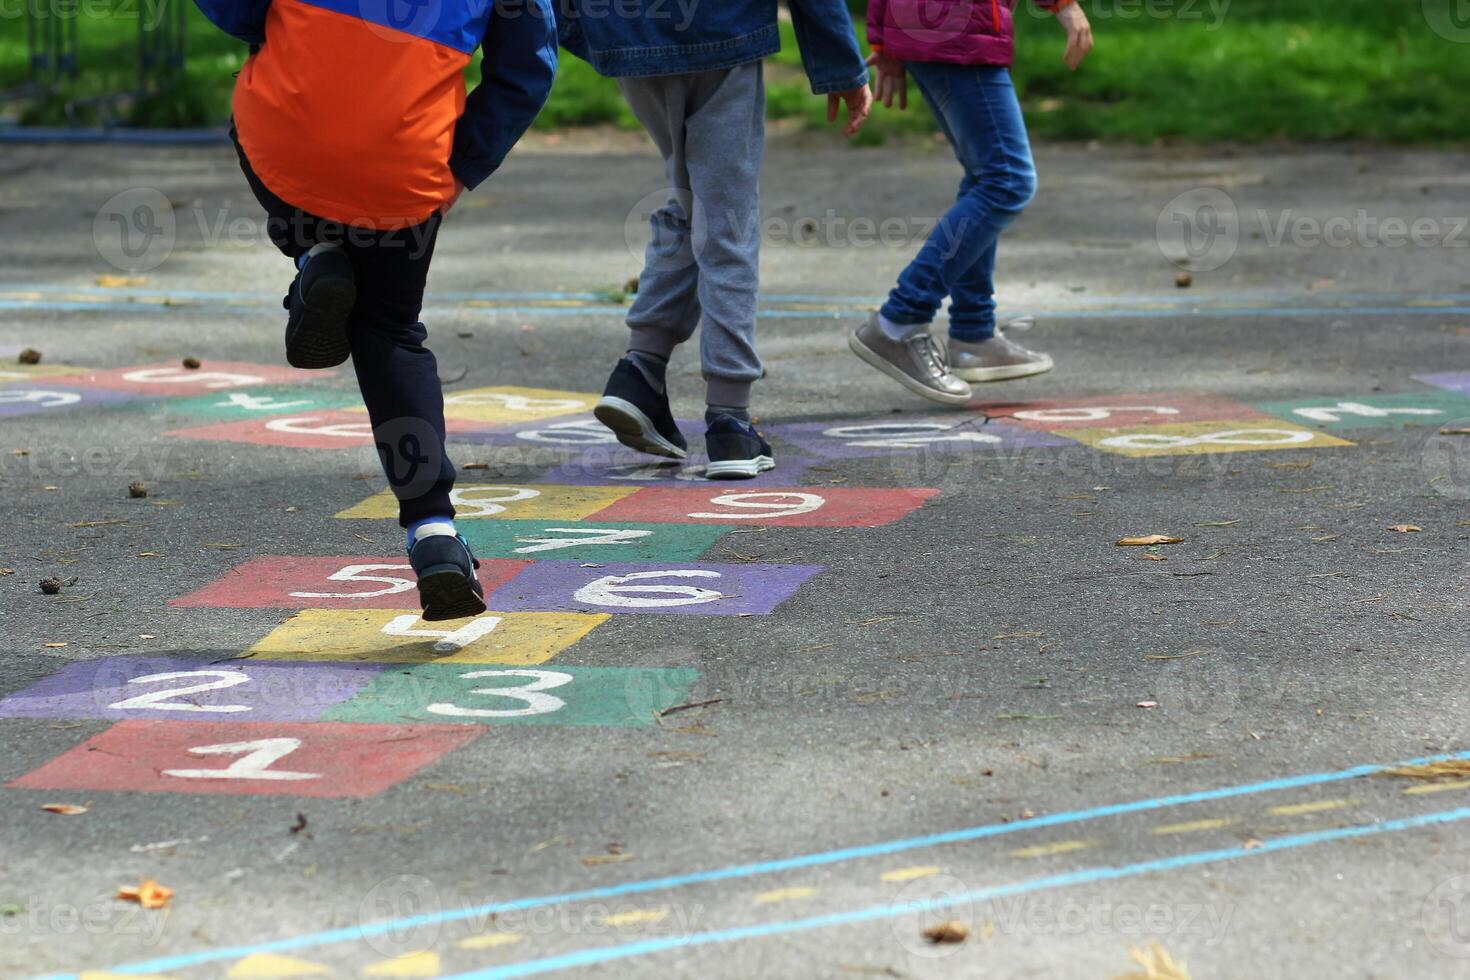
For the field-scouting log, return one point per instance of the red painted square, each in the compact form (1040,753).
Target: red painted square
(238,758)
(1119,411)
(172,378)
(326,429)
(282,582)
(796,507)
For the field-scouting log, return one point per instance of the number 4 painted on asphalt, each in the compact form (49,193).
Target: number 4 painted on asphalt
(1334,413)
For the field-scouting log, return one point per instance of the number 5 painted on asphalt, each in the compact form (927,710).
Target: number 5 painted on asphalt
(354,573)
(536,702)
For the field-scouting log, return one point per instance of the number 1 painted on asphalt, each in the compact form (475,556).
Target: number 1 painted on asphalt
(254,762)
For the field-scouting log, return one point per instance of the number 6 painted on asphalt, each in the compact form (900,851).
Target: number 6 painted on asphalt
(536,702)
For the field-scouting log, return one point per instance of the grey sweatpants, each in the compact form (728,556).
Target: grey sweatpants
(703,261)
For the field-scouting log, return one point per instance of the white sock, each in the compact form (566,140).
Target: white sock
(900,331)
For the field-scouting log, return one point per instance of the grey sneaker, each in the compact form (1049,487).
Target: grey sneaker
(917,363)
(998,359)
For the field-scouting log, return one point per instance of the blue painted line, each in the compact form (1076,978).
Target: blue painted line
(606,954)
(351,933)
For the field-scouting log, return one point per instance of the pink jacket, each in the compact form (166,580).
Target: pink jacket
(964,32)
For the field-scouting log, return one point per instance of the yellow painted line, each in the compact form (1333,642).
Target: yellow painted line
(490,940)
(1297,809)
(1195,826)
(909,874)
(424,963)
(637,917)
(1436,787)
(784,895)
(1060,847)
(258,965)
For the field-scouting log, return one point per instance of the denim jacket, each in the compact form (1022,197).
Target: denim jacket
(671,37)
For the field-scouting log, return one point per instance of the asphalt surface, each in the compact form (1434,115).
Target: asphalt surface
(968,706)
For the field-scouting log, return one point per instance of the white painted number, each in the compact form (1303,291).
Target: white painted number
(761,506)
(536,703)
(450,641)
(183,376)
(42,397)
(614,590)
(357,573)
(585,432)
(1232,437)
(254,762)
(584,535)
(1334,413)
(1090,414)
(162,700)
(486,501)
(259,403)
(911,435)
(516,403)
(310,425)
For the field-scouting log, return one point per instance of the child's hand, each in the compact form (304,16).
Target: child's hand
(1079,34)
(892,78)
(859,103)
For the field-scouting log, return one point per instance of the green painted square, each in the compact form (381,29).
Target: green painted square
(1424,408)
(590,541)
(261,402)
(618,697)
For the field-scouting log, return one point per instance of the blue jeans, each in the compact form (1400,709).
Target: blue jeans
(977,109)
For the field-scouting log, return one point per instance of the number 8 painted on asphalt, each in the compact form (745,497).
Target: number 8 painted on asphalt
(536,702)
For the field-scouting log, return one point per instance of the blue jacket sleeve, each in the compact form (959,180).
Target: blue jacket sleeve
(829,48)
(515,78)
(243,19)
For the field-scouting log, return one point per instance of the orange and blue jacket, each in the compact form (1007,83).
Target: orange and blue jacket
(355,110)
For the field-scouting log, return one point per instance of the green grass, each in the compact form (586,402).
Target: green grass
(1261,70)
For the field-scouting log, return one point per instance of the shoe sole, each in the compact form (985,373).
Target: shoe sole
(918,387)
(447,594)
(739,469)
(320,338)
(1009,372)
(634,429)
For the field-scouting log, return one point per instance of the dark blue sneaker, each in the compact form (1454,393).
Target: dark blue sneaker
(638,414)
(448,585)
(736,450)
(320,301)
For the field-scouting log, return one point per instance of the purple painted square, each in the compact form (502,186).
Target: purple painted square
(37,396)
(620,466)
(856,438)
(198,690)
(571,434)
(1455,381)
(676,589)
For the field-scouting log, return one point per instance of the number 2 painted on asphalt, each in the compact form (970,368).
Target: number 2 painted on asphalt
(536,702)
(255,761)
(162,700)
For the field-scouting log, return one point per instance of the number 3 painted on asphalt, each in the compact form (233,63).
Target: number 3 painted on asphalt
(536,702)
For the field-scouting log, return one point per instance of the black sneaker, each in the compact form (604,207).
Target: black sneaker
(320,301)
(638,415)
(736,450)
(448,586)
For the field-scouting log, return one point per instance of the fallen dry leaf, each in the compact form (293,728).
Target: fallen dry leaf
(1405,528)
(947,932)
(1144,540)
(1147,704)
(1251,843)
(1432,771)
(117,282)
(137,489)
(1454,432)
(29,356)
(1184,280)
(149,894)
(53,646)
(1157,964)
(65,809)
(593,860)
(1148,557)
(192,363)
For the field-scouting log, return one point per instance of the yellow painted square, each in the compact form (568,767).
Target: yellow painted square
(21,373)
(385,636)
(546,501)
(510,404)
(1197,438)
